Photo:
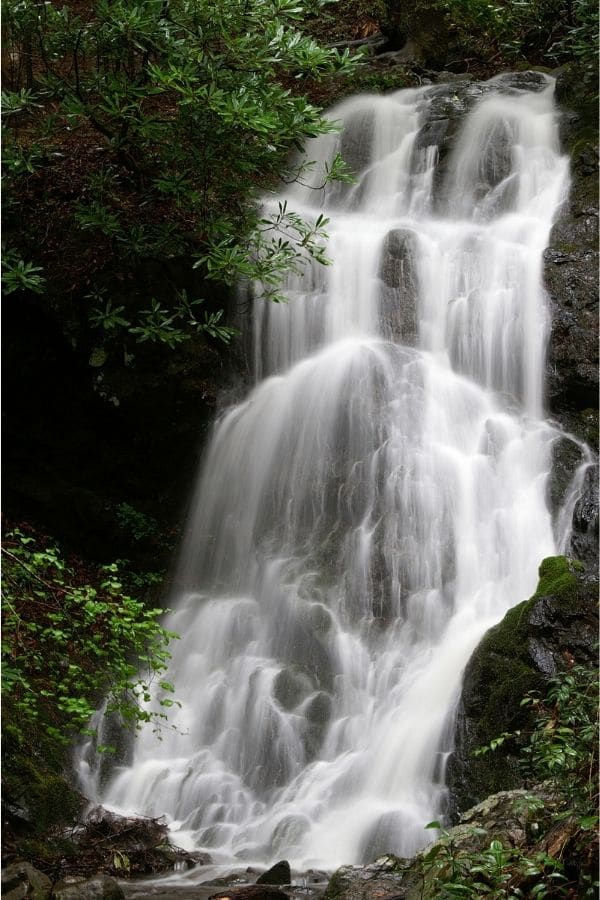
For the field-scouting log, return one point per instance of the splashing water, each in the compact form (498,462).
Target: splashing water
(377,502)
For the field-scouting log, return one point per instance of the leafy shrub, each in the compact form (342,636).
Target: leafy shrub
(135,523)
(494,872)
(550,31)
(186,111)
(564,743)
(562,752)
(67,643)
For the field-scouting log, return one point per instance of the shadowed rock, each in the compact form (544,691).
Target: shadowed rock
(277,874)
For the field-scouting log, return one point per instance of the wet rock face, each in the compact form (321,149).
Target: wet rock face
(584,537)
(557,627)
(507,816)
(574,477)
(571,267)
(571,280)
(399,287)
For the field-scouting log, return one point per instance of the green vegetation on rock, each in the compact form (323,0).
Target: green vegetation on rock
(536,640)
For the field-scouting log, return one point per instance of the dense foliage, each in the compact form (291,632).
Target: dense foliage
(561,858)
(145,131)
(539,31)
(69,642)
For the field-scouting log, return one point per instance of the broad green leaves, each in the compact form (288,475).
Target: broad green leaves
(66,645)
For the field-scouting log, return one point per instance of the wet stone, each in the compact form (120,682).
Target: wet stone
(277,874)
(102,887)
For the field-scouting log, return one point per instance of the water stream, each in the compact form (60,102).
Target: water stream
(376,502)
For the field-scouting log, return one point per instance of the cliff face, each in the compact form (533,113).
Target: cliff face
(571,271)
(571,278)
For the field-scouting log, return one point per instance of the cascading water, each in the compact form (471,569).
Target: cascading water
(378,500)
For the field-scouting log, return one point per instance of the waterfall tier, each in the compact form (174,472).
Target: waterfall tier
(376,502)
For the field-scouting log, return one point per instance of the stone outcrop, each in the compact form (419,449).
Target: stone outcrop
(553,630)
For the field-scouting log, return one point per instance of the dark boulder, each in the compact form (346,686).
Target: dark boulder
(278,874)
(553,630)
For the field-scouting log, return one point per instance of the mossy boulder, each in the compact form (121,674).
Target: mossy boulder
(550,632)
(36,794)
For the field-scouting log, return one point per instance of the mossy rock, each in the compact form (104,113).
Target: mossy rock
(553,630)
(37,797)
(43,798)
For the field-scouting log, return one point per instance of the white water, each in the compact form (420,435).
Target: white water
(371,508)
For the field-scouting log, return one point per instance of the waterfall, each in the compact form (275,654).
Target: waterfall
(377,501)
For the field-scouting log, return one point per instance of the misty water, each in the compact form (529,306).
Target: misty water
(378,499)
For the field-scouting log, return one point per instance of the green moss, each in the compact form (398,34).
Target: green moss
(46,796)
(557,577)
(504,669)
(337,886)
(567,247)
(33,778)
